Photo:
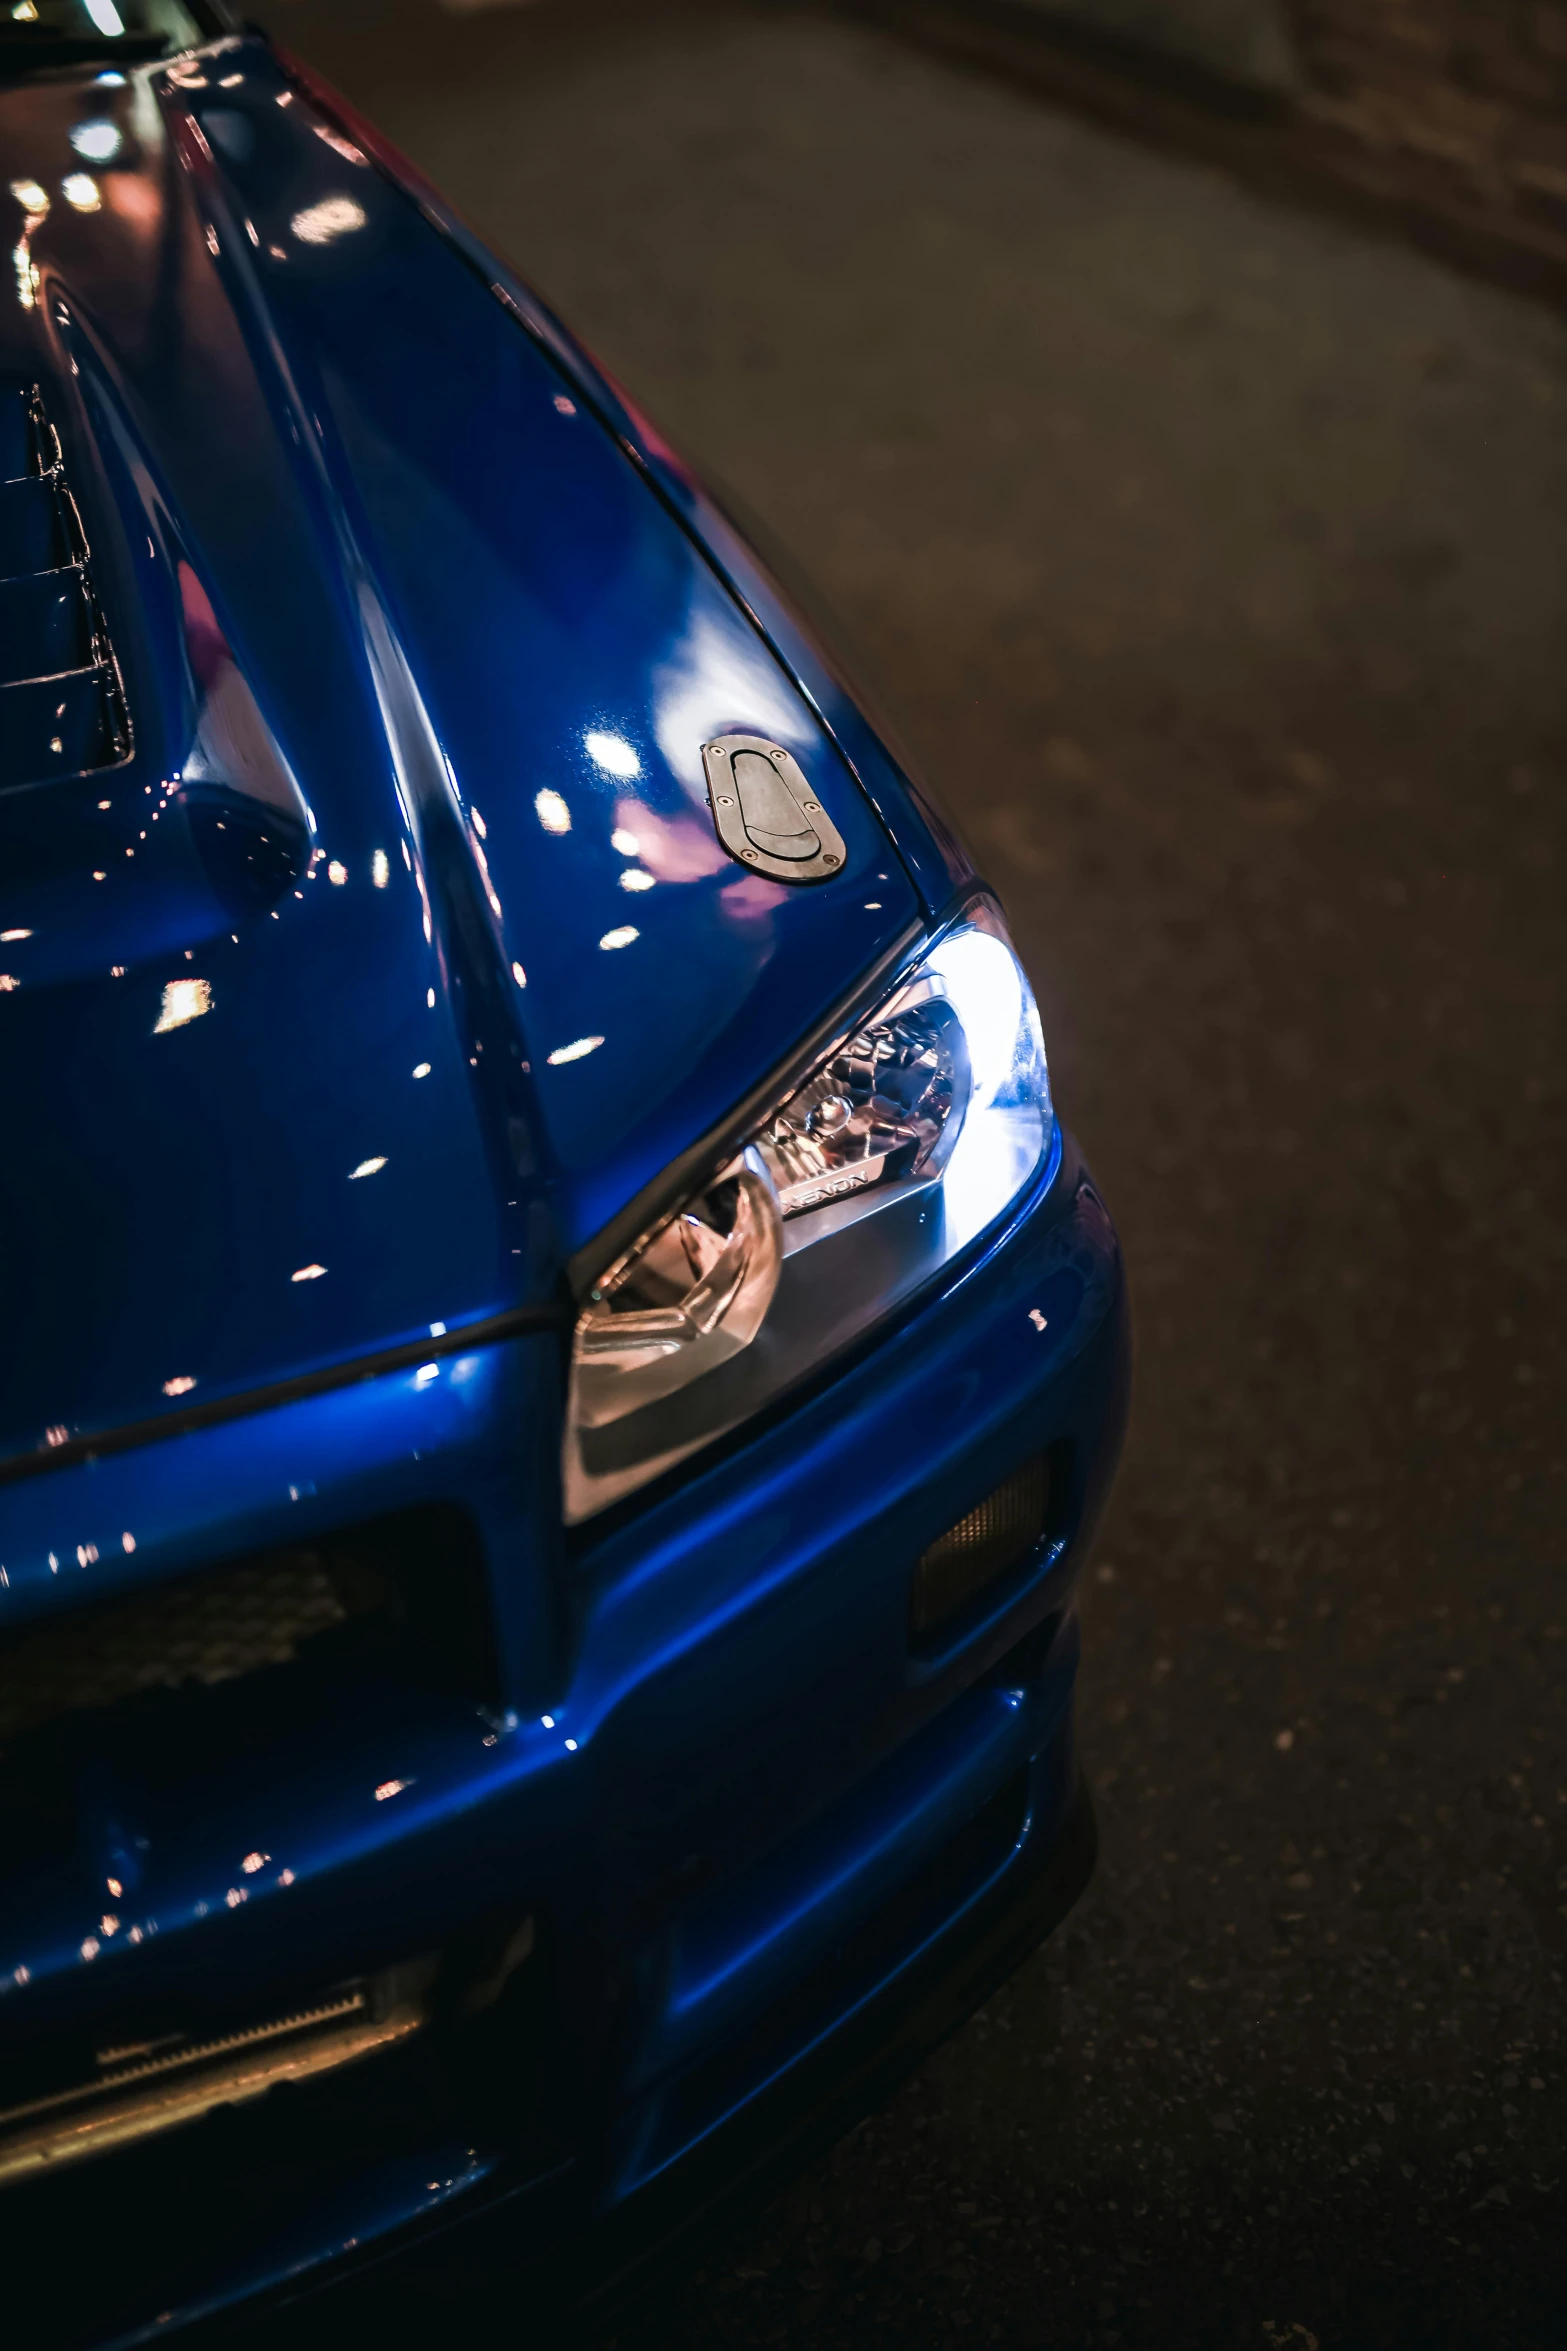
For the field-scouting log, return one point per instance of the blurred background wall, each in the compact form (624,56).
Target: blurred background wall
(1454,110)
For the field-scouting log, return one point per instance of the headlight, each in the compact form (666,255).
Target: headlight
(915,1131)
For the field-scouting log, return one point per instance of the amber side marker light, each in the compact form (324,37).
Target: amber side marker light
(995,1537)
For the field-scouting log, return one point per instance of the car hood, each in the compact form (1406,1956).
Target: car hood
(388,950)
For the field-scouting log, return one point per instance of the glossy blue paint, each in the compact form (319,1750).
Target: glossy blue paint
(421,631)
(335,2229)
(487,658)
(935,858)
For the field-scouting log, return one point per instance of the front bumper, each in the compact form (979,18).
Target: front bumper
(768,1849)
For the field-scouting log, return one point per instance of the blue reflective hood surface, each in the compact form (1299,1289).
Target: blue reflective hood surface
(399,954)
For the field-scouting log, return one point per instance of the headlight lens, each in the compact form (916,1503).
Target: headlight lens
(688,1297)
(912,1134)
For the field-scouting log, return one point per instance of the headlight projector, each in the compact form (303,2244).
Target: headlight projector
(916,1128)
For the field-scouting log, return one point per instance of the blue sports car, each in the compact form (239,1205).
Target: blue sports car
(559,1369)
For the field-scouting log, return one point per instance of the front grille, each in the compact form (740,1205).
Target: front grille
(206,1629)
(62,705)
(237,1664)
(406,1591)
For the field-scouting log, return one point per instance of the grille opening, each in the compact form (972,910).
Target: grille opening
(62,704)
(35,529)
(203,1671)
(190,2206)
(45,626)
(148,2066)
(132,2090)
(28,446)
(991,1542)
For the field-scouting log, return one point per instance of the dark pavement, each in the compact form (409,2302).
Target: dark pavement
(1215,556)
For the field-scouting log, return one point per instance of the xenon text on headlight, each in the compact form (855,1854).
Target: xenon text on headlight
(913,1132)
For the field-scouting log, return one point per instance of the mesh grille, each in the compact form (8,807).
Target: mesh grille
(209,1629)
(407,1593)
(996,1535)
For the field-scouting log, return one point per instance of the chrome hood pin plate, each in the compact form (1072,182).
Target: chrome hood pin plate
(766,814)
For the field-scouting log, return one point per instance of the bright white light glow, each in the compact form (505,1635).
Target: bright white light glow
(80,190)
(24,12)
(552,812)
(180,1387)
(30,196)
(391,1788)
(479,825)
(99,141)
(574,1052)
(613,754)
(621,937)
(986,986)
(106,17)
(720,675)
(380,871)
(333,139)
(333,217)
(365,1167)
(624,843)
(8,938)
(1006,1126)
(336,874)
(426,1373)
(519,975)
(635,879)
(183,1000)
(254,1861)
(423,1070)
(308,1273)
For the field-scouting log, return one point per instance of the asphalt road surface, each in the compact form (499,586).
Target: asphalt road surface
(1215,555)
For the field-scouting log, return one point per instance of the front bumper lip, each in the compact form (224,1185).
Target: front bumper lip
(531,2230)
(411,2238)
(857,2068)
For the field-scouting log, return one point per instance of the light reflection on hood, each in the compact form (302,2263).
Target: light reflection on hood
(720,674)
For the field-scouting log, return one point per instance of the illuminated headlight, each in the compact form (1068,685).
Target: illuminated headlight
(912,1134)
